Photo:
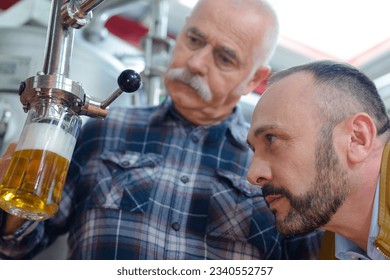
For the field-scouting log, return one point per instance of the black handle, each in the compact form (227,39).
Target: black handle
(129,81)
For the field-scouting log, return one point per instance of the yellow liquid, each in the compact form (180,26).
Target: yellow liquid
(33,183)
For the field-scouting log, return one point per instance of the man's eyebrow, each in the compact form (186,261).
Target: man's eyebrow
(229,52)
(262,129)
(197,32)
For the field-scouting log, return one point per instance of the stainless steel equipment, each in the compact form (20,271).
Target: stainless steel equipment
(54,79)
(17,60)
(157,45)
(23,29)
(54,103)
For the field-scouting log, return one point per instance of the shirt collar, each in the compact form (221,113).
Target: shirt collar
(235,124)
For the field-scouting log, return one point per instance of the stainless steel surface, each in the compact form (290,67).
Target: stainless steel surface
(77,14)
(111,98)
(157,47)
(89,5)
(63,89)
(160,12)
(96,31)
(53,81)
(97,69)
(59,43)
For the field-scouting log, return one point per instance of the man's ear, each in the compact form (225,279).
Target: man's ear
(362,133)
(260,75)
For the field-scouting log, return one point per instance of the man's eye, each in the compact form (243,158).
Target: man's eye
(194,42)
(223,59)
(270,138)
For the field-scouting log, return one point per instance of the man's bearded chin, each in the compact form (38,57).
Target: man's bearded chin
(193,81)
(309,211)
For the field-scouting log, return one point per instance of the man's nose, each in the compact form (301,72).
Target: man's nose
(259,172)
(200,60)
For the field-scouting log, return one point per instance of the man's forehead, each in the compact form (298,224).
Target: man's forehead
(299,85)
(286,97)
(226,25)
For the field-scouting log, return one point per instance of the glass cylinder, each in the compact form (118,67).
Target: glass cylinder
(33,183)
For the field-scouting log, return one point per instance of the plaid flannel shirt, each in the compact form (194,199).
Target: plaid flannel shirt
(147,184)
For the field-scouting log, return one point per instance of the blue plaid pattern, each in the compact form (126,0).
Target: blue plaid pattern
(147,184)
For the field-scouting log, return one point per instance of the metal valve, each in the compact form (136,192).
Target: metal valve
(53,82)
(128,81)
(72,94)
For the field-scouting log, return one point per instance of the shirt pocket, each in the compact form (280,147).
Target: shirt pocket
(124,181)
(231,207)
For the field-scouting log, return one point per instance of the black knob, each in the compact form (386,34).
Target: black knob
(129,80)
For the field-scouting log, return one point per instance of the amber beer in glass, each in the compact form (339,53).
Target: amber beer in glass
(32,185)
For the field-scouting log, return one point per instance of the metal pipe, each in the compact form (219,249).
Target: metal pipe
(89,5)
(59,43)
(158,29)
(96,31)
(160,10)
(111,98)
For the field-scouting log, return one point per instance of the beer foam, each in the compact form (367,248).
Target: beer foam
(44,136)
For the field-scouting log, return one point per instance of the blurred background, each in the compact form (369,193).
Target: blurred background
(140,34)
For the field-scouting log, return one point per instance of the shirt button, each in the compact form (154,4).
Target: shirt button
(176,226)
(184,179)
(195,138)
(125,163)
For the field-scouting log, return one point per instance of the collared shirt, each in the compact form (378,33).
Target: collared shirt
(147,184)
(347,250)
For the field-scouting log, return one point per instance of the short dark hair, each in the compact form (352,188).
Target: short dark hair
(355,92)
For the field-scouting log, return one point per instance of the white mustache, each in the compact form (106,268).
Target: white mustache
(194,81)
